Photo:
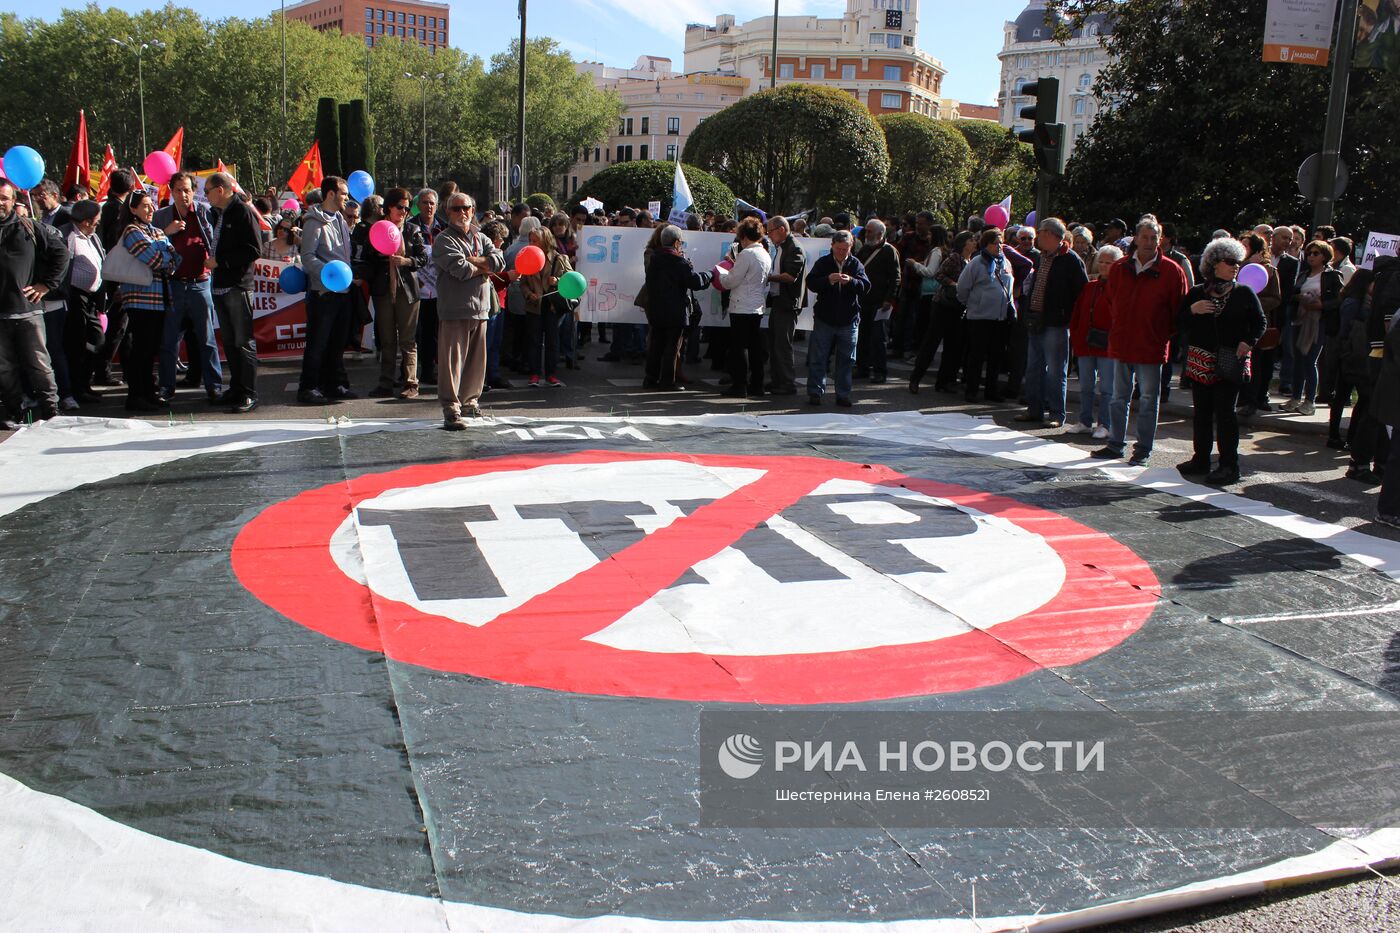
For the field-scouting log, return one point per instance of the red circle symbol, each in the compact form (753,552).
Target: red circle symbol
(284,558)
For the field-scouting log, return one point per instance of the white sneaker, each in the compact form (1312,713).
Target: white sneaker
(1100,432)
(1291,405)
(69,403)
(1306,408)
(1078,428)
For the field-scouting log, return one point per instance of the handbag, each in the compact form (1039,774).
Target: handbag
(1230,367)
(1200,366)
(120,266)
(1097,337)
(1271,339)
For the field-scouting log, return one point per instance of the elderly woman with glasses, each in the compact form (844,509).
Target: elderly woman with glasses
(393,282)
(1317,298)
(1220,323)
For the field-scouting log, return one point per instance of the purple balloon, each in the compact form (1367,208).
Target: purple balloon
(1031,218)
(1255,277)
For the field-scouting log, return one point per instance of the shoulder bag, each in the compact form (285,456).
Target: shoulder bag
(120,266)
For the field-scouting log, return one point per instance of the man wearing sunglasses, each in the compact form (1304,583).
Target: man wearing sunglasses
(464,259)
(393,282)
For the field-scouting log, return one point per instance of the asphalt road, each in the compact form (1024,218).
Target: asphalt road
(1284,459)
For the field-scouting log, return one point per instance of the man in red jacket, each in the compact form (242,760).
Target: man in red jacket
(1144,294)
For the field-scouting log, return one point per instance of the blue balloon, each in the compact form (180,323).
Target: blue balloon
(361,185)
(336,276)
(24,166)
(292,280)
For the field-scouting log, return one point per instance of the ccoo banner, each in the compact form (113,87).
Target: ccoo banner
(611,259)
(1299,32)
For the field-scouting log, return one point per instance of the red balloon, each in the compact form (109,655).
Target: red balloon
(529,260)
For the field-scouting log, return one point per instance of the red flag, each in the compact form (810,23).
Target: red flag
(308,174)
(109,165)
(78,171)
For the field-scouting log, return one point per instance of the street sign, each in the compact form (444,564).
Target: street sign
(1308,175)
(515,177)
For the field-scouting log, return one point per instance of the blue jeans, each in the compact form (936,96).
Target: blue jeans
(1095,390)
(1304,384)
(1047,372)
(568,338)
(495,332)
(826,338)
(1149,379)
(195,301)
(1285,358)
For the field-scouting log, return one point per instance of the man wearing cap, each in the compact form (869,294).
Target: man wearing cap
(82,328)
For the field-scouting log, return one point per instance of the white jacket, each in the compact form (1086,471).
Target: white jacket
(747,282)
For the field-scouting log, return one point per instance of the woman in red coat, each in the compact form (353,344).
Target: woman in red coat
(1088,334)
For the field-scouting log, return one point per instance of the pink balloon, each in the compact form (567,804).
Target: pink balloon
(159,166)
(996,216)
(385,237)
(1255,277)
(291,205)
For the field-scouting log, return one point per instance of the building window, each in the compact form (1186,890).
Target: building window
(646,127)
(876,38)
(369,41)
(890,101)
(412,32)
(1078,130)
(629,127)
(671,152)
(619,153)
(369,14)
(818,72)
(892,73)
(848,72)
(379,15)
(646,152)
(673,126)
(1085,81)
(785,71)
(893,41)
(1079,106)
(908,40)
(597,154)
(585,155)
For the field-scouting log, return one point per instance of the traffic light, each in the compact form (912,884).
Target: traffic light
(1047,136)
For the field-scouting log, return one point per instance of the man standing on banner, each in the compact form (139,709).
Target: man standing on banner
(190,298)
(237,246)
(325,238)
(1143,297)
(840,283)
(33,262)
(881,262)
(1059,276)
(464,259)
(787,290)
(393,282)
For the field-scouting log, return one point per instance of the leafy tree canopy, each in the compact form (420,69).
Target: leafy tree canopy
(635,184)
(929,161)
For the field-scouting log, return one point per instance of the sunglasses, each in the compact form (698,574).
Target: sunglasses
(398,207)
(1230,260)
(460,208)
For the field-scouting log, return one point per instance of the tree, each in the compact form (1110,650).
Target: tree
(821,145)
(1196,128)
(540,201)
(929,160)
(1000,166)
(634,184)
(356,149)
(564,112)
(328,134)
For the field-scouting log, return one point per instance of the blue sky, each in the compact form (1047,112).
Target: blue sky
(966,36)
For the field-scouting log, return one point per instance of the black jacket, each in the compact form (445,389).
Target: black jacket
(373,266)
(31,253)
(837,305)
(1067,279)
(881,266)
(240,245)
(1241,321)
(1287,279)
(670,280)
(791,261)
(109,223)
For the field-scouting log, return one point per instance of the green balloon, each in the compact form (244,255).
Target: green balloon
(573,285)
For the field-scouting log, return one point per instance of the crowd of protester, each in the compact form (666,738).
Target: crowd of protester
(995,314)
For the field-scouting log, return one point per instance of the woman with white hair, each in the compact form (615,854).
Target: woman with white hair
(1089,329)
(1220,324)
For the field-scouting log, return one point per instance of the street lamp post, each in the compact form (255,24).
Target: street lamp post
(520,107)
(424,79)
(134,44)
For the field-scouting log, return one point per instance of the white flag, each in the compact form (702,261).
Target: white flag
(681,201)
(1006,205)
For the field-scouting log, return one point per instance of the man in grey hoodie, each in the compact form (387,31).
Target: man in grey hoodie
(325,238)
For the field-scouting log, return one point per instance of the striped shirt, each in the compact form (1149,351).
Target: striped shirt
(150,246)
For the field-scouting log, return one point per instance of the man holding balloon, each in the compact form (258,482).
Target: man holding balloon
(33,261)
(325,258)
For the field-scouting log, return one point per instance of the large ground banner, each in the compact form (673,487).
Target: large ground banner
(611,259)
